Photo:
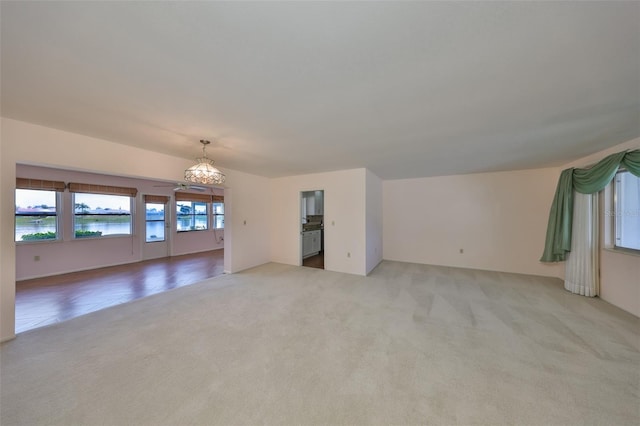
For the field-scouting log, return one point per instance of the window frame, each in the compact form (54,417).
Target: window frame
(58,215)
(92,237)
(617,214)
(215,215)
(163,220)
(193,215)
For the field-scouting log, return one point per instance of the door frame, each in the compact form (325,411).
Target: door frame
(156,253)
(301,217)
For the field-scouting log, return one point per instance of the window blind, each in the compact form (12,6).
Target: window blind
(160,199)
(47,185)
(187,196)
(88,188)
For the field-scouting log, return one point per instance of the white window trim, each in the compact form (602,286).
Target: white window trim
(132,224)
(611,245)
(208,208)
(59,229)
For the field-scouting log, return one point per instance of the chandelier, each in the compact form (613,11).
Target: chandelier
(203,171)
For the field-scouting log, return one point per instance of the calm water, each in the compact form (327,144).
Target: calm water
(32,228)
(185,224)
(156,229)
(106,228)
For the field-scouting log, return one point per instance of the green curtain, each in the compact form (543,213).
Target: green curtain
(586,181)
(595,178)
(558,240)
(632,162)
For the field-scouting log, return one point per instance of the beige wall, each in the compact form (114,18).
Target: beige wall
(7,246)
(24,143)
(344,219)
(499,220)
(619,272)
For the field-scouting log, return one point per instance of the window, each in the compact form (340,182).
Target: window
(155,217)
(36,215)
(627,211)
(154,213)
(191,215)
(99,215)
(218,215)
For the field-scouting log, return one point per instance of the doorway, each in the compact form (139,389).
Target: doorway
(312,228)
(157,227)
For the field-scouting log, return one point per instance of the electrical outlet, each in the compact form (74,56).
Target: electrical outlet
(461,251)
(36,258)
(348,254)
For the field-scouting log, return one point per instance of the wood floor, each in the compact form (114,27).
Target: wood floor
(48,300)
(316,261)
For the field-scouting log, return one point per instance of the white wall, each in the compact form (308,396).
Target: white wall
(620,280)
(344,219)
(24,143)
(247,221)
(499,220)
(374,224)
(619,272)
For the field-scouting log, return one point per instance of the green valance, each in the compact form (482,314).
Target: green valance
(632,162)
(585,181)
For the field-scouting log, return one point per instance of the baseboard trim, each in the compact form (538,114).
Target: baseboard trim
(6,339)
(78,270)
(197,251)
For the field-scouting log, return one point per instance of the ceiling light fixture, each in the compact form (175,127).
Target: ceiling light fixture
(203,171)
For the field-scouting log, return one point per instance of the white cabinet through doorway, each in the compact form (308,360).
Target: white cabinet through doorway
(311,243)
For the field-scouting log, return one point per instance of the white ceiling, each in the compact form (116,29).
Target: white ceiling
(406,89)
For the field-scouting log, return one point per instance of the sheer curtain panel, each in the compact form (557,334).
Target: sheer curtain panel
(581,268)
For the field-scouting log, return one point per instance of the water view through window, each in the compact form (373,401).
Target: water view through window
(218,215)
(98,215)
(36,215)
(155,222)
(191,216)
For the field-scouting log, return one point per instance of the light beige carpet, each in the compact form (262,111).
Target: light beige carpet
(410,344)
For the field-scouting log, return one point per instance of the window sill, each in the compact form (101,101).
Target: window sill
(51,240)
(102,237)
(629,252)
